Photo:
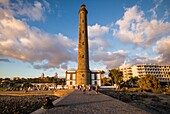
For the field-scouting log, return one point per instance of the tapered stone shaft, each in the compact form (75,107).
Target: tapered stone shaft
(83,71)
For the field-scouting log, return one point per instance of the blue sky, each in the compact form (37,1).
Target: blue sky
(40,36)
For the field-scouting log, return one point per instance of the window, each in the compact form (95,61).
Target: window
(82,43)
(95,77)
(95,82)
(71,77)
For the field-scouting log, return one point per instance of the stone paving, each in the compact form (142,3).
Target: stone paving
(79,103)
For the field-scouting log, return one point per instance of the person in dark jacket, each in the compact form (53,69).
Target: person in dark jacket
(48,103)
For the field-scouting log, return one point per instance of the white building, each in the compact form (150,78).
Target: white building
(162,72)
(71,78)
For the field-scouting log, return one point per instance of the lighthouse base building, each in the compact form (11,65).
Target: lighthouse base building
(71,76)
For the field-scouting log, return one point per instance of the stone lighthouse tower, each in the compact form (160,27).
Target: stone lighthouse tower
(83,75)
(83,71)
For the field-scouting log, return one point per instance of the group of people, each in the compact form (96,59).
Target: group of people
(89,88)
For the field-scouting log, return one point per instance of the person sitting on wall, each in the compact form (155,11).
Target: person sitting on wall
(48,103)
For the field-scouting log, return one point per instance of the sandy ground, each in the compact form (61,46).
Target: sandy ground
(58,93)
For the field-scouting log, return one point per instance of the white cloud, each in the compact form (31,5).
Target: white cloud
(96,35)
(97,30)
(4,2)
(162,47)
(134,28)
(155,30)
(19,41)
(33,11)
(110,59)
(139,60)
(130,29)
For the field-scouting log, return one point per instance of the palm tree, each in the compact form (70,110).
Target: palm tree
(116,75)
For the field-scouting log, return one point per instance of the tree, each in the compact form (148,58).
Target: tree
(26,85)
(133,81)
(149,83)
(116,75)
(102,72)
(106,81)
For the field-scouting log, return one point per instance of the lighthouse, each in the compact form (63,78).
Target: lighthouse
(83,71)
(83,75)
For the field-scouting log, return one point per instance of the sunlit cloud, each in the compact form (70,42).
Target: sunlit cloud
(162,47)
(31,44)
(34,11)
(97,30)
(110,59)
(96,35)
(136,29)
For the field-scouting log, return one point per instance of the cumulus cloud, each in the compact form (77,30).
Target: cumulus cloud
(19,41)
(162,47)
(97,30)
(96,33)
(134,28)
(4,2)
(34,11)
(110,59)
(139,60)
(130,29)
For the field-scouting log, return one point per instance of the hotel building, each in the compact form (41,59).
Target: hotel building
(162,72)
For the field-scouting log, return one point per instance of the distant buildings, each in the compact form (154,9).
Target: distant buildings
(42,75)
(56,75)
(162,72)
(16,78)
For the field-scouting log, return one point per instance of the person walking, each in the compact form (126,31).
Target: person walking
(97,89)
(84,89)
(90,89)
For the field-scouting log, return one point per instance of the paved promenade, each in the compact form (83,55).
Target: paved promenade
(79,103)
